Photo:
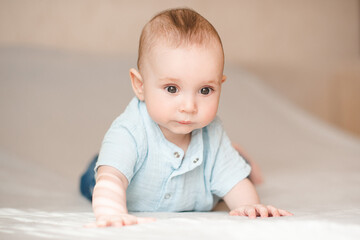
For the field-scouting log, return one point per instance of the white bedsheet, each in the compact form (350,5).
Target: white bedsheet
(310,168)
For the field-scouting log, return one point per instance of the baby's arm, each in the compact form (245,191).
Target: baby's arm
(243,200)
(256,176)
(109,199)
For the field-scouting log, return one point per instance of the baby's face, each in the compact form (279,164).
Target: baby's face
(182,87)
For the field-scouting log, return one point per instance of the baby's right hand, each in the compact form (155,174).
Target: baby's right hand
(119,220)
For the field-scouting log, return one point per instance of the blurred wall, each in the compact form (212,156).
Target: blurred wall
(308,50)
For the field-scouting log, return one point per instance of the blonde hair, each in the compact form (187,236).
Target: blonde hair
(177,27)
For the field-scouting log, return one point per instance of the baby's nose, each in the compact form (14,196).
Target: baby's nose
(188,105)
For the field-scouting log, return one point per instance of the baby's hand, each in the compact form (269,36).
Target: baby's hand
(119,220)
(252,211)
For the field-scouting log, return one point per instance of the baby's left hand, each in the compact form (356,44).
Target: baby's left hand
(252,211)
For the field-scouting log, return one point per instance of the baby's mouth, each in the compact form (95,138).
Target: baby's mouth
(185,122)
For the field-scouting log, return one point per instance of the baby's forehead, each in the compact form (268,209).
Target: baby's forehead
(172,62)
(166,44)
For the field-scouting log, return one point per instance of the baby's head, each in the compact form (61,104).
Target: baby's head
(180,64)
(181,27)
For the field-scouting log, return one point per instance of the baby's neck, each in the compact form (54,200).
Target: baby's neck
(183,143)
(180,140)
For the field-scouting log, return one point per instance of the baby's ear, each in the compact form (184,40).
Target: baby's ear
(223,79)
(137,83)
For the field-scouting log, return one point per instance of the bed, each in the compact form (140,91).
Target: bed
(56,106)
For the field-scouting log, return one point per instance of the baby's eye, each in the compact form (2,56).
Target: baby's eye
(171,89)
(205,90)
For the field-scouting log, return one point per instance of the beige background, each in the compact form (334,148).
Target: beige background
(308,50)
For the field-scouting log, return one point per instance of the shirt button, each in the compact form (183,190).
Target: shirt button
(196,160)
(167,196)
(176,154)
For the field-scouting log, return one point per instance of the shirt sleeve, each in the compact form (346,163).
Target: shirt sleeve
(229,167)
(119,150)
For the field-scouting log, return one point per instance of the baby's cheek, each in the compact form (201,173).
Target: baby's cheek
(209,113)
(160,112)
(155,114)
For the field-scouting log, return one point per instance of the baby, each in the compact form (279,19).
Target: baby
(168,151)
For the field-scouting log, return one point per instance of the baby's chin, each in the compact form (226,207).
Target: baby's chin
(181,129)
(184,130)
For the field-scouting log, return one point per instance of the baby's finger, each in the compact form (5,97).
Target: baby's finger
(102,223)
(118,224)
(274,211)
(109,221)
(250,212)
(234,213)
(129,220)
(145,220)
(123,220)
(262,210)
(238,212)
(285,213)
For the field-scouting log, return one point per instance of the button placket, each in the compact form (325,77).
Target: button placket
(167,196)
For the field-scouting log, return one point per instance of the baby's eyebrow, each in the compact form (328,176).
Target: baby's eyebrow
(165,79)
(212,82)
(178,81)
